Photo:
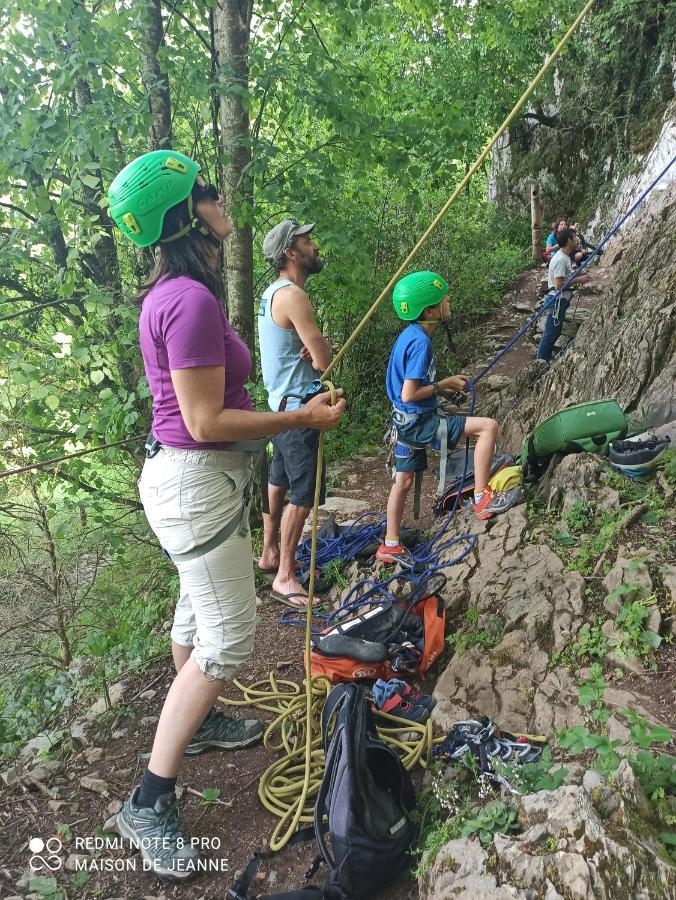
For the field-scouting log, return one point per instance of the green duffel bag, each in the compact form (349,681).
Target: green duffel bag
(585,427)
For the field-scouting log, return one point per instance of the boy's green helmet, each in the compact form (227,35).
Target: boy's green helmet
(146,189)
(417,291)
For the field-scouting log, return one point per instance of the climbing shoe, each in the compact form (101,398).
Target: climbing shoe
(224,733)
(492,503)
(387,554)
(156,832)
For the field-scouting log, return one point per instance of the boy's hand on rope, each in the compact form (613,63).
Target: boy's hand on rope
(321,414)
(454,384)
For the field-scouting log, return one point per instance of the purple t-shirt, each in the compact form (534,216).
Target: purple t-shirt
(183,326)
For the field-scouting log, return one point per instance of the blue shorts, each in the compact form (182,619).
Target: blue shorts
(423,432)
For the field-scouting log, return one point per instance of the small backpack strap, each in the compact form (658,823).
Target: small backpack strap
(334,701)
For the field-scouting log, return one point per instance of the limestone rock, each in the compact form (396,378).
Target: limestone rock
(11,776)
(42,742)
(115,692)
(75,862)
(97,785)
(344,506)
(577,842)
(625,347)
(576,478)
(626,571)
(459,871)
(555,703)
(94,755)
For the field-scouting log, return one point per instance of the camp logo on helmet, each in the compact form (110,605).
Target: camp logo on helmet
(154,194)
(403,306)
(592,413)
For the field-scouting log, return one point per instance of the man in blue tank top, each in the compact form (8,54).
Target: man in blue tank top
(293,354)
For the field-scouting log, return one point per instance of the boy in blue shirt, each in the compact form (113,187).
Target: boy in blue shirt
(421,299)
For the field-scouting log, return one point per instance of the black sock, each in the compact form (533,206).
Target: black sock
(152,787)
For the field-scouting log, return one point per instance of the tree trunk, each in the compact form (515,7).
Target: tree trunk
(232,20)
(155,82)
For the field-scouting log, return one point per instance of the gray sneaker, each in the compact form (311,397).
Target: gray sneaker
(225,733)
(493,503)
(156,833)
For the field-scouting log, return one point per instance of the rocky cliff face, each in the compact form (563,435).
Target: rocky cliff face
(605,126)
(625,348)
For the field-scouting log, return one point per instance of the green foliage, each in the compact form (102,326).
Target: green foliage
(579,516)
(472,635)
(535,776)
(591,642)
(656,772)
(496,818)
(46,887)
(210,795)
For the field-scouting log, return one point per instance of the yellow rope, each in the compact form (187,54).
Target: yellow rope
(288,787)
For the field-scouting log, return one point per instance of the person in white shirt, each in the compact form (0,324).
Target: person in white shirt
(560,268)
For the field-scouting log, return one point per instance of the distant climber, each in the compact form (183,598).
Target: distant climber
(560,268)
(421,299)
(552,245)
(293,354)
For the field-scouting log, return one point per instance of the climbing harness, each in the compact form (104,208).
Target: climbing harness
(404,448)
(239,521)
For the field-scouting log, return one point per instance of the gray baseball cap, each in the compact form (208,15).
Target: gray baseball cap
(279,238)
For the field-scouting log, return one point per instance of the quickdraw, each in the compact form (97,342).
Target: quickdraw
(482,738)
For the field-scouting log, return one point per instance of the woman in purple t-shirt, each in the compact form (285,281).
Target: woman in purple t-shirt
(195,489)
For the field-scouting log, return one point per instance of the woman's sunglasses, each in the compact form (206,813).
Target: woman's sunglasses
(205,192)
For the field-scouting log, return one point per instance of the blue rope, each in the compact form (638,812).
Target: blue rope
(426,558)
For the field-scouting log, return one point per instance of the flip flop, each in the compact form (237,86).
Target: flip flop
(263,571)
(286,599)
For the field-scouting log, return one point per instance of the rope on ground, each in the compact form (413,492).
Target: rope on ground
(288,787)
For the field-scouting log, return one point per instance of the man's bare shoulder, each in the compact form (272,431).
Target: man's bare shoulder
(290,295)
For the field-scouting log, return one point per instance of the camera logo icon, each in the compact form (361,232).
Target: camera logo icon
(51,860)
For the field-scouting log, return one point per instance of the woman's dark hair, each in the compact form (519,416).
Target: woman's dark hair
(194,254)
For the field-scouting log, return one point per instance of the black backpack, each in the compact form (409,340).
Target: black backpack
(366,795)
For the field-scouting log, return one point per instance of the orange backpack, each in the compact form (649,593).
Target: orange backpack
(402,638)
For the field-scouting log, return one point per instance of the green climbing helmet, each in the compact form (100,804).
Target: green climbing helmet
(417,291)
(146,189)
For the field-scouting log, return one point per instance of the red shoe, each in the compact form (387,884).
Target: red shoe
(391,554)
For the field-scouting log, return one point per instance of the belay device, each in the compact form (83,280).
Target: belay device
(398,637)
(583,428)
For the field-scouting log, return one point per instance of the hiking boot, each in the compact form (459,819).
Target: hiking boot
(391,554)
(492,503)
(156,832)
(224,733)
